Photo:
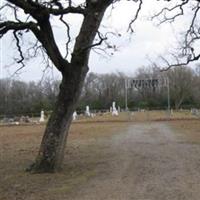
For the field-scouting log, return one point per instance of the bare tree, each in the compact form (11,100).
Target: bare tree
(196,86)
(181,84)
(187,50)
(35,16)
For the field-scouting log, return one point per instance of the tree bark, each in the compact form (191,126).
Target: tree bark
(53,144)
(52,147)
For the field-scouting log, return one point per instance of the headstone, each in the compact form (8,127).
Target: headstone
(87,111)
(16,119)
(25,119)
(114,110)
(74,116)
(21,119)
(11,120)
(92,115)
(42,116)
(195,111)
(119,109)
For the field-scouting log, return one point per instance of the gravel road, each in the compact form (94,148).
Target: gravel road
(147,162)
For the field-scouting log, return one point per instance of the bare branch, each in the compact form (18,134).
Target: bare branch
(178,62)
(167,10)
(33,50)
(16,26)
(136,16)
(32,8)
(72,10)
(68,35)
(191,35)
(19,49)
(101,39)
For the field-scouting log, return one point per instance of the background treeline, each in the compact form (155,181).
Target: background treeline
(22,98)
(100,90)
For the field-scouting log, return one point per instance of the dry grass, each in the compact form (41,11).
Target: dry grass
(85,151)
(19,146)
(188,130)
(139,116)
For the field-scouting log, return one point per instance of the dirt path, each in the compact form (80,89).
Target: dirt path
(147,162)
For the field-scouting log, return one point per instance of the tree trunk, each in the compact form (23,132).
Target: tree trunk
(52,147)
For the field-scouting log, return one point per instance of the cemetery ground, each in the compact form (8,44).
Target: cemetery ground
(136,156)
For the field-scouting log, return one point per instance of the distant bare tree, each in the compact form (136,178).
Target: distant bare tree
(181,84)
(196,86)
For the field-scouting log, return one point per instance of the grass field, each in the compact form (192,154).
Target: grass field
(190,130)
(19,146)
(85,150)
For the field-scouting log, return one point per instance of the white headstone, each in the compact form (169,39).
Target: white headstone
(87,111)
(114,110)
(42,116)
(74,116)
(92,115)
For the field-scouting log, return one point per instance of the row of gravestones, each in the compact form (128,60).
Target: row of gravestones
(22,119)
(16,120)
(113,110)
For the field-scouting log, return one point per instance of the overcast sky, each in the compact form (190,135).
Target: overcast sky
(147,43)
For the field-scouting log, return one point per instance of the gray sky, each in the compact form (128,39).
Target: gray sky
(148,42)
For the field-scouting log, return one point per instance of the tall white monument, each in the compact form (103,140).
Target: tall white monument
(114,110)
(74,116)
(42,116)
(87,111)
